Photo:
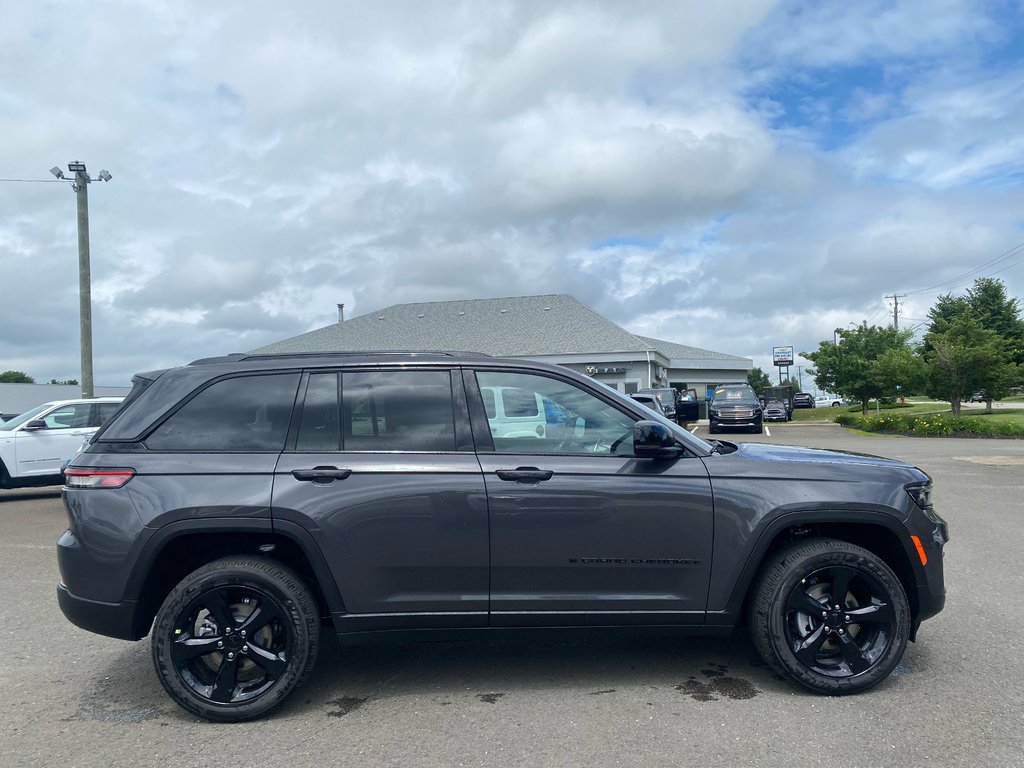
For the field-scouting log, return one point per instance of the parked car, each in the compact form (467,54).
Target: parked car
(666,396)
(803,400)
(979,396)
(735,406)
(35,445)
(234,504)
(828,401)
(775,410)
(650,401)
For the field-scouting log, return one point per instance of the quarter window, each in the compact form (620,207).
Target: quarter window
(244,414)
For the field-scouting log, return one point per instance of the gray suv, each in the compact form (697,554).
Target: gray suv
(234,505)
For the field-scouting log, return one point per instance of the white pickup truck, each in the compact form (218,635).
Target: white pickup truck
(35,445)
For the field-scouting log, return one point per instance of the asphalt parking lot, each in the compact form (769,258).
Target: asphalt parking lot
(71,698)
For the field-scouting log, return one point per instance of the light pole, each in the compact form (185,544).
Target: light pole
(80,184)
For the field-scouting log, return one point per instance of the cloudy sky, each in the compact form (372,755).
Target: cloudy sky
(732,175)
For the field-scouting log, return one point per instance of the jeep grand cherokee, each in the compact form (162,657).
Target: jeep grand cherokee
(234,504)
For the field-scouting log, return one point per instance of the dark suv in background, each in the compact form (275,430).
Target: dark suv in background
(735,406)
(233,505)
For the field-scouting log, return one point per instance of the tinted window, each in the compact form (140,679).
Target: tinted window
(101,412)
(381,411)
(572,420)
(320,427)
(249,413)
(397,411)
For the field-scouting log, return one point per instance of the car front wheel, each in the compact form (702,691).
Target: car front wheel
(235,638)
(831,615)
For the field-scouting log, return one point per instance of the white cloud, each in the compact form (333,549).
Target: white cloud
(273,160)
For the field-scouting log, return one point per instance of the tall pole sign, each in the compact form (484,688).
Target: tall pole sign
(783,358)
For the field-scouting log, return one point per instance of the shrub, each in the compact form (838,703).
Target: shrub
(932,424)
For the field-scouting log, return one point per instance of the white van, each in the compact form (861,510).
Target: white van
(514,412)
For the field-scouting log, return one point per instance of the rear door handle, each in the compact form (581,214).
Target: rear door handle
(525,474)
(321,475)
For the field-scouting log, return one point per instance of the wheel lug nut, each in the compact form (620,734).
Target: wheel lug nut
(838,608)
(231,656)
(824,614)
(242,633)
(828,630)
(227,630)
(220,643)
(847,618)
(840,631)
(245,649)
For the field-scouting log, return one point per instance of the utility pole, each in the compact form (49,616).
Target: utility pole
(896,308)
(80,185)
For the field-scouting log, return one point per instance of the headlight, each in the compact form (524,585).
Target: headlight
(921,494)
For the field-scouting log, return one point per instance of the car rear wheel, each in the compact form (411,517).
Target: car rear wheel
(235,638)
(831,615)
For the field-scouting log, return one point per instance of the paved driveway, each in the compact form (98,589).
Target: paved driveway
(71,698)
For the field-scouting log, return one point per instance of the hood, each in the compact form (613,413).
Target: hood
(772,452)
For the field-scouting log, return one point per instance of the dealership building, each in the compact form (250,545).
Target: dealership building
(554,328)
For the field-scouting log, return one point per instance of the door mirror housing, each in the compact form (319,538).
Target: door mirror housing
(652,440)
(35,424)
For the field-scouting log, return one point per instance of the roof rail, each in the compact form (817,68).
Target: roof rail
(362,353)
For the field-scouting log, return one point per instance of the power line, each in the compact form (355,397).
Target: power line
(1015,251)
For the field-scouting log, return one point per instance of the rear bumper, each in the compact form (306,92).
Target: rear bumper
(110,619)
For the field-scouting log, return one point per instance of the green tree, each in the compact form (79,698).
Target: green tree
(64,381)
(758,379)
(989,308)
(997,312)
(867,362)
(16,377)
(966,357)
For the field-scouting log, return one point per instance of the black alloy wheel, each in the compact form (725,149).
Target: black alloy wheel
(235,638)
(831,615)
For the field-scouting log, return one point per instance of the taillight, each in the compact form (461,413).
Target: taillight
(97,478)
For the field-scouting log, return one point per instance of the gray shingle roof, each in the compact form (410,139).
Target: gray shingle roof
(517,326)
(674,351)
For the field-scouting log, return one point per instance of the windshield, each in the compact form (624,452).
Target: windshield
(734,394)
(17,421)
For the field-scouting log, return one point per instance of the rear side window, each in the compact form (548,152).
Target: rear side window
(378,411)
(244,414)
(101,412)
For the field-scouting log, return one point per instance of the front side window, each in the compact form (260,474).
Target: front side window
(379,411)
(74,416)
(243,414)
(537,414)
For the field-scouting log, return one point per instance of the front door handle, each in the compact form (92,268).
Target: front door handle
(321,475)
(525,474)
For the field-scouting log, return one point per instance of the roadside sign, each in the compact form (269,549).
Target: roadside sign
(782,356)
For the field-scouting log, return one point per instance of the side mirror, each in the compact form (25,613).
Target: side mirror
(35,424)
(652,440)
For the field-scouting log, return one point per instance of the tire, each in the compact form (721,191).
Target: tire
(798,631)
(5,479)
(234,638)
